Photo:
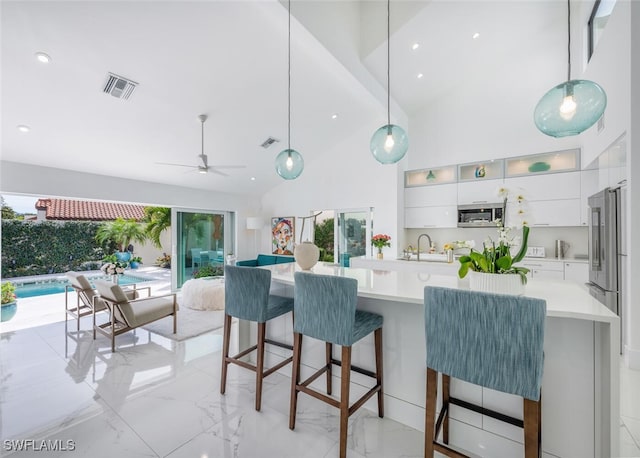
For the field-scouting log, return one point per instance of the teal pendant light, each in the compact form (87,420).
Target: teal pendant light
(571,107)
(389,143)
(289,162)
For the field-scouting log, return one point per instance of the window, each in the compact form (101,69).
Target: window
(598,21)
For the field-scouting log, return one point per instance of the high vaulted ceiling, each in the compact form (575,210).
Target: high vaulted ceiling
(228,60)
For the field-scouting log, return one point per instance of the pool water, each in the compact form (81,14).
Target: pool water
(57,285)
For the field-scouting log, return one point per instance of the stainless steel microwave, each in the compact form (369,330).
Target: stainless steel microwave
(479,215)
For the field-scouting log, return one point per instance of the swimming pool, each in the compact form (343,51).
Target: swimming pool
(32,288)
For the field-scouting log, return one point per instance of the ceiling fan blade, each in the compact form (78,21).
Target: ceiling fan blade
(218,172)
(177,165)
(229,166)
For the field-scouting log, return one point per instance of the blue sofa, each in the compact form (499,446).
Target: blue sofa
(265,260)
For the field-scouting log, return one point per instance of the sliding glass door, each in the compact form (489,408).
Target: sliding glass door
(353,232)
(201,241)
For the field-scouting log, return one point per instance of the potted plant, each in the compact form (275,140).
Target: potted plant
(121,232)
(135,262)
(9,301)
(496,258)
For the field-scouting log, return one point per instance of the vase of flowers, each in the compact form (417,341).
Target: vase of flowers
(113,268)
(380,241)
(493,269)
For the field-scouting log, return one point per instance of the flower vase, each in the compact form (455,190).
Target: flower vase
(496,283)
(380,255)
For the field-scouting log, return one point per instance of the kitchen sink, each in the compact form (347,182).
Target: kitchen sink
(433,257)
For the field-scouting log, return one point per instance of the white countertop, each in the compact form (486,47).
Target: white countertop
(564,299)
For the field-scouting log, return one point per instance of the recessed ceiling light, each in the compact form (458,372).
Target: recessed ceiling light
(476,35)
(420,75)
(253,178)
(42,57)
(415,46)
(23,128)
(334,116)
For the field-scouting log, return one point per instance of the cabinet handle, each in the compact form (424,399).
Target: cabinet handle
(532,265)
(541,224)
(429,225)
(479,201)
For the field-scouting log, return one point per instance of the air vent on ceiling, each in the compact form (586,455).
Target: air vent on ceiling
(268,142)
(118,86)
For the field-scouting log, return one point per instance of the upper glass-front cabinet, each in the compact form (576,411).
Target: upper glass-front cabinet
(558,161)
(425,177)
(478,171)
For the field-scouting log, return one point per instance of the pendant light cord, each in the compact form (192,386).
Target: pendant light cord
(388,62)
(289,83)
(569,40)
(202,139)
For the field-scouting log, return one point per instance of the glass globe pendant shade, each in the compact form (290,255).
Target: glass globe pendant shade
(389,144)
(289,164)
(570,108)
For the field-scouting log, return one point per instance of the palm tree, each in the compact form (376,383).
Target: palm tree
(158,220)
(121,232)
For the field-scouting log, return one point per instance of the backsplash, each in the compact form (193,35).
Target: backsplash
(576,237)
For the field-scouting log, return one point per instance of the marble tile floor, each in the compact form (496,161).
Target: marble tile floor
(155,397)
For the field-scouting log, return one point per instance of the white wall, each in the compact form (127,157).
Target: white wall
(346,177)
(18,178)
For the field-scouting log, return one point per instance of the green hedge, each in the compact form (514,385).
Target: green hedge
(36,248)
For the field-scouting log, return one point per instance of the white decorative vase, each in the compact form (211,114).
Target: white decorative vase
(496,283)
(306,255)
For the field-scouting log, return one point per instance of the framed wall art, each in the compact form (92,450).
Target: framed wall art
(283,235)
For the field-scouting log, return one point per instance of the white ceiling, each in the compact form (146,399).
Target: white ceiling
(228,59)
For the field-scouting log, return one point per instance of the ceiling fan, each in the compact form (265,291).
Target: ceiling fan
(205,167)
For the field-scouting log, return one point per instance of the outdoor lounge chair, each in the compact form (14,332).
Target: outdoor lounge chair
(126,314)
(87,300)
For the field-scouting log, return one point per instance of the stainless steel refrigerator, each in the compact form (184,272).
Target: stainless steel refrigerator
(607,248)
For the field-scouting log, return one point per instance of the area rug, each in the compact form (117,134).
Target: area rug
(191,323)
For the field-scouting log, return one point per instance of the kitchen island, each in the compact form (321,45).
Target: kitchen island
(580,384)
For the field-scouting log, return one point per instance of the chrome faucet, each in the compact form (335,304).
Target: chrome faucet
(430,242)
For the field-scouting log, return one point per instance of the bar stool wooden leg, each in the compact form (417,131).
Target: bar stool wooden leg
(378,344)
(295,378)
(430,412)
(225,352)
(446,386)
(329,352)
(531,428)
(344,399)
(260,364)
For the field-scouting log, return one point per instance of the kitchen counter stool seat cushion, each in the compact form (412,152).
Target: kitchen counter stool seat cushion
(325,309)
(247,297)
(492,340)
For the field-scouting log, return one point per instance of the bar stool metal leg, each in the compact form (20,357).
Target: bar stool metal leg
(329,356)
(344,399)
(378,344)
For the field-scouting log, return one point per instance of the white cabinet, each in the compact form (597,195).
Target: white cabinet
(543,269)
(551,199)
(547,213)
(479,192)
(576,271)
(588,187)
(445,216)
(431,206)
(550,186)
(429,196)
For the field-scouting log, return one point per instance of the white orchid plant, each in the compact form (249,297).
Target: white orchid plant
(496,255)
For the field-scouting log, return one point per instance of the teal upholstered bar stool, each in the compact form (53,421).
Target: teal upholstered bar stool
(325,309)
(247,297)
(492,340)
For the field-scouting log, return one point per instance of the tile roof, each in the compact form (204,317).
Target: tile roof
(82,210)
